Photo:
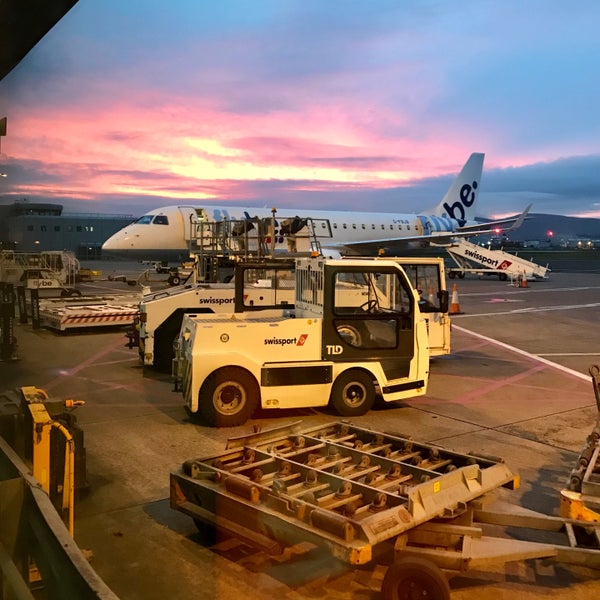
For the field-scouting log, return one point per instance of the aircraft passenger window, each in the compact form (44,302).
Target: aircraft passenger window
(372,225)
(382,226)
(335,225)
(345,226)
(354,226)
(160,220)
(363,226)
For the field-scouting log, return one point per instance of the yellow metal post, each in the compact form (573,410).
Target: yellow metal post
(42,428)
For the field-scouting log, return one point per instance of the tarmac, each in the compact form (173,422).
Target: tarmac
(516,385)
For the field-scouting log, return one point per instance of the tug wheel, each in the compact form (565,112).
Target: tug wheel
(228,397)
(350,334)
(353,393)
(411,578)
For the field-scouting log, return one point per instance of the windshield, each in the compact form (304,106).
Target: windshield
(145,220)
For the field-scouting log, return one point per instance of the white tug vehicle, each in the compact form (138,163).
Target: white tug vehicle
(356,331)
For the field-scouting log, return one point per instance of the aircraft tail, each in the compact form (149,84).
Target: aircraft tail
(459,201)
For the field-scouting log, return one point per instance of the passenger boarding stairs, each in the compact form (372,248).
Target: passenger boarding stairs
(471,258)
(38,270)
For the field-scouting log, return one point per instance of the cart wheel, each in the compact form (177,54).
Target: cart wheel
(353,393)
(461,275)
(502,277)
(228,397)
(410,578)
(175,280)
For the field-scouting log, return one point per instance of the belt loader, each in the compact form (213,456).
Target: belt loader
(260,285)
(357,330)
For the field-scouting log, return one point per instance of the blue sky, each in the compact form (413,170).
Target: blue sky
(129,105)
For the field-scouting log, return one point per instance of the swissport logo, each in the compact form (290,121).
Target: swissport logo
(217,301)
(456,210)
(504,265)
(484,260)
(295,341)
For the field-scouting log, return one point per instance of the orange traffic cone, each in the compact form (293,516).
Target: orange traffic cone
(524,280)
(454,305)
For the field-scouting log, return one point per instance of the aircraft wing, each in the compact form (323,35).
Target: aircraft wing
(514,222)
(393,245)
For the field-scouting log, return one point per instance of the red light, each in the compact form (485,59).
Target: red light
(497,230)
(550,233)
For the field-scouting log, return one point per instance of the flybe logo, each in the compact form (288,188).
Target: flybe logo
(295,341)
(456,210)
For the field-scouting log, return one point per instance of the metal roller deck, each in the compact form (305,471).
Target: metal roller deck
(352,489)
(345,486)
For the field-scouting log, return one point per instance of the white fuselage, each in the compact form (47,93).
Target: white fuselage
(167,238)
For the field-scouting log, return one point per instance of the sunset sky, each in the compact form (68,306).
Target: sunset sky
(127,105)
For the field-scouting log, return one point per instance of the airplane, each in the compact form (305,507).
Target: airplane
(163,234)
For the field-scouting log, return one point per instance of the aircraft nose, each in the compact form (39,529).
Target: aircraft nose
(114,242)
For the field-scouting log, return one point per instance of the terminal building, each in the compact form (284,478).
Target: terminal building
(35,227)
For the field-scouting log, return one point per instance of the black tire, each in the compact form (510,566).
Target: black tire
(461,275)
(350,334)
(452,274)
(175,280)
(502,277)
(414,578)
(353,393)
(228,397)
(164,337)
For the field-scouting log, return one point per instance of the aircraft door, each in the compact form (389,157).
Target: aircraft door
(369,316)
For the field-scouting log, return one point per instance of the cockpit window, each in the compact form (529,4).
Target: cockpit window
(145,220)
(160,220)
